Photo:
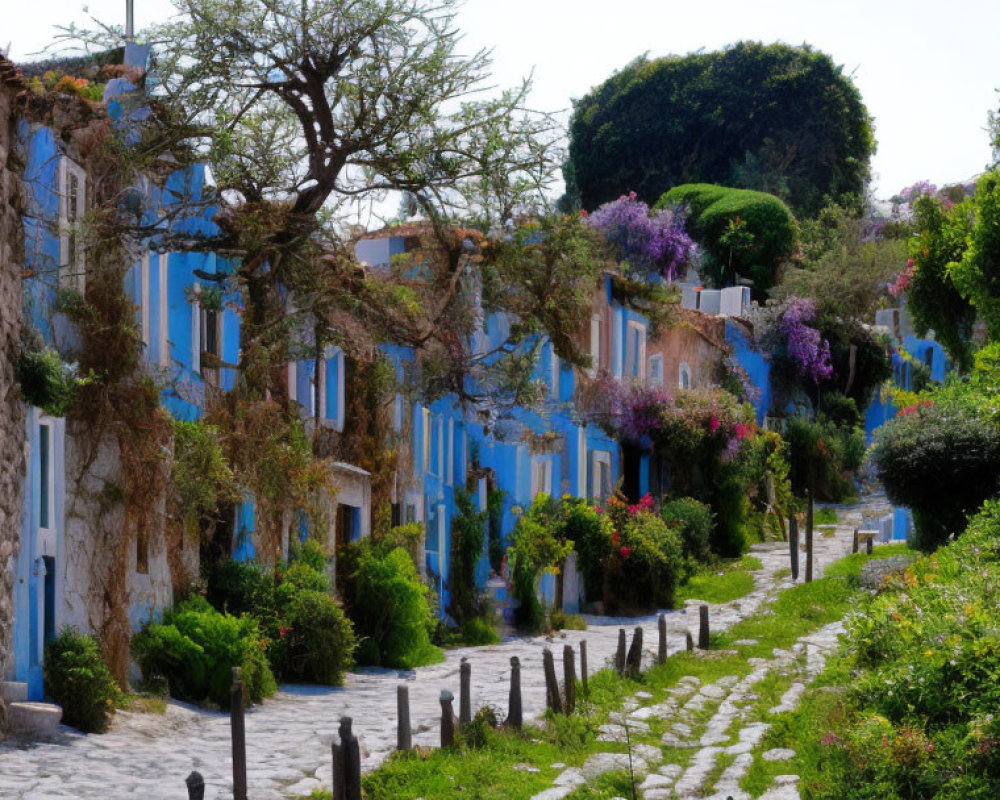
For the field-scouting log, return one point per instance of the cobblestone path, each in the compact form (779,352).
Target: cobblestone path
(147,756)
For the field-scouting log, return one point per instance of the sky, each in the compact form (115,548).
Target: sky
(927,71)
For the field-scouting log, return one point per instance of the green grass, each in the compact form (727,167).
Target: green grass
(825,516)
(720,583)
(490,771)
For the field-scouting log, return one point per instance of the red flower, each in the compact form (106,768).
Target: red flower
(646,501)
(282,632)
(713,424)
(625,551)
(615,540)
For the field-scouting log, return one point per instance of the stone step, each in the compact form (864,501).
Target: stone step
(15,692)
(34,720)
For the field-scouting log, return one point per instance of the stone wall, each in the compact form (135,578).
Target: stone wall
(11,407)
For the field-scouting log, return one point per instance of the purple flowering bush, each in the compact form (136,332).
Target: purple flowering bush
(652,243)
(800,356)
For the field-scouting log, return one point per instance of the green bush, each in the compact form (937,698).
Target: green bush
(536,545)
(920,715)
(590,534)
(823,458)
(694,521)
(942,461)
(743,233)
(77,679)
(320,639)
(390,608)
(468,534)
(45,381)
(477,631)
(645,561)
(196,647)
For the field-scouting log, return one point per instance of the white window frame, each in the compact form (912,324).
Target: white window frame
(449,470)
(208,374)
(71,276)
(635,351)
(144,331)
(684,376)
(541,475)
(600,459)
(292,377)
(555,367)
(656,370)
(164,312)
(596,337)
(426,439)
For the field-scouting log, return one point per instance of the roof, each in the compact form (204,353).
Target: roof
(87,66)
(9,74)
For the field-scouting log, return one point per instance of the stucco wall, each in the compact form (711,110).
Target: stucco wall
(11,408)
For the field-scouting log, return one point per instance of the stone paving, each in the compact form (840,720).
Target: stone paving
(289,736)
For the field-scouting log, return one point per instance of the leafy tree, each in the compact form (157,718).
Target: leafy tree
(841,266)
(933,298)
(941,460)
(780,119)
(977,274)
(743,234)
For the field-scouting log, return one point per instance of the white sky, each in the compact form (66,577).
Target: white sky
(928,71)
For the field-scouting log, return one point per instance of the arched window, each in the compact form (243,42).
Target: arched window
(684,376)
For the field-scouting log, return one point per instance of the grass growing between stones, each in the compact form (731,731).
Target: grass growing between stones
(720,584)
(500,765)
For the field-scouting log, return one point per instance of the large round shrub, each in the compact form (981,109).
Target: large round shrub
(743,233)
(320,639)
(645,562)
(391,610)
(694,521)
(196,648)
(77,679)
(942,461)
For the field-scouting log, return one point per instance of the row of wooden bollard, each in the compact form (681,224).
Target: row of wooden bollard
(347,753)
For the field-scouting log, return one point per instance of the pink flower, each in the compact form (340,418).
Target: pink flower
(282,632)
(633,510)
(713,424)
(598,509)
(743,430)
(625,551)
(646,501)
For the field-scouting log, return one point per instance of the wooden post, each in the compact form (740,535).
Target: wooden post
(661,652)
(793,545)
(620,653)
(447,719)
(404,738)
(634,660)
(583,668)
(195,786)
(464,692)
(809,536)
(514,715)
(688,641)
(869,545)
(351,753)
(239,736)
(703,627)
(553,701)
(854,546)
(569,678)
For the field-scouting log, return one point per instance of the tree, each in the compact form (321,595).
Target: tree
(932,297)
(977,274)
(780,119)
(743,234)
(308,110)
(841,266)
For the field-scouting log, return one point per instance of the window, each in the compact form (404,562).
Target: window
(541,475)
(164,312)
(684,376)
(332,385)
(426,438)
(210,321)
(596,343)
(45,482)
(449,470)
(656,370)
(600,475)
(292,378)
(144,301)
(72,208)
(555,372)
(635,351)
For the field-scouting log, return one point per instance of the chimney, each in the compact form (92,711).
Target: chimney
(129,22)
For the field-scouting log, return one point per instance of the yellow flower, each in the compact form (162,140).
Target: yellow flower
(928,653)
